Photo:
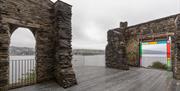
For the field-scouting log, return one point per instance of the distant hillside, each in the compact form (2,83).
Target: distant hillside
(17,51)
(88,52)
(31,51)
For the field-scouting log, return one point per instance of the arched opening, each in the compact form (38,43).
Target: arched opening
(22,63)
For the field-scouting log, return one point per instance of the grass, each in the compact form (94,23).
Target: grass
(29,77)
(159,65)
(26,80)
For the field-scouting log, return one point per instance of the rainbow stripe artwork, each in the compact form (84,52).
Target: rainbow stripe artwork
(169,53)
(140,53)
(156,42)
(168,48)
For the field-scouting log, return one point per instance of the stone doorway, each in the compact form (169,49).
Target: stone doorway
(156,51)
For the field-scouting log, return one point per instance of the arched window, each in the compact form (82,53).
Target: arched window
(22,58)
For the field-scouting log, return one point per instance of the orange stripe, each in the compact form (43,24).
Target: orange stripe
(152,42)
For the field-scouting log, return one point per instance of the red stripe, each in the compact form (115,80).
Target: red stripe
(168,50)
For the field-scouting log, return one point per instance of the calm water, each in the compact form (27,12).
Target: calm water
(95,60)
(78,60)
(148,60)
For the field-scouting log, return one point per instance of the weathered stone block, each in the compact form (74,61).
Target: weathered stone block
(64,43)
(65,34)
(66,77)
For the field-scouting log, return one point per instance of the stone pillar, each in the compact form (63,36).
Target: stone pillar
(116,48)
(4,56)
(123,25)
(44,54)
(177,49)
(64,73)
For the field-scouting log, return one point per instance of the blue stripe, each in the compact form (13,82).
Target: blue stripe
(161,42)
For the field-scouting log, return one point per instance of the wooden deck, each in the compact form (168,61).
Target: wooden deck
(105,79)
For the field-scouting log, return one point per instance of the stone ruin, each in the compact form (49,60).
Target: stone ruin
(177,49)
(51,25)
(122,49)
(116,48)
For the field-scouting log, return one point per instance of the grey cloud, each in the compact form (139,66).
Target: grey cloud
(107,14)
(23,37)
(93,18)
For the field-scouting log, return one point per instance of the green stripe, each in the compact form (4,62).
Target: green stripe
(140,49)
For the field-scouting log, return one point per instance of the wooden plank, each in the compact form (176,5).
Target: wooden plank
(105,79)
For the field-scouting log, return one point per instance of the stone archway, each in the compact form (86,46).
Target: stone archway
(51,25)
(22,59)
(121,38)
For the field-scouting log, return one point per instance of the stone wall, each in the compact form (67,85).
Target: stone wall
(35,12)
(148,31)
(51,25)
(63,68)
(44,54)
(116,48)
(177,49)
(4,44)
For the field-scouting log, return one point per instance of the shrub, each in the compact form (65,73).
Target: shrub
(159,65)
(29,77)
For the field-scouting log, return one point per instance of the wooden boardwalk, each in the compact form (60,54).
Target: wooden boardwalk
(105,79)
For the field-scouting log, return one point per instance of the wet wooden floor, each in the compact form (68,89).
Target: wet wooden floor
(105,79)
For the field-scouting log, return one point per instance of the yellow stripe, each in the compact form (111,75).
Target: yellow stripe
(152,42)
(169,59)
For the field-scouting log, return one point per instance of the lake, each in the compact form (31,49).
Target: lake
(78,60)
(148,60)
(93,60)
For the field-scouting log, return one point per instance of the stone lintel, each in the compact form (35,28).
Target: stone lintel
(20,23)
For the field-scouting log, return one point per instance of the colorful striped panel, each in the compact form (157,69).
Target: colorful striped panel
(169,64)
(162,42)
(169,54)
(145,43)
(140,53)
(152,43)
(156,42)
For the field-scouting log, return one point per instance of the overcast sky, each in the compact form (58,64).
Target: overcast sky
(93,18)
